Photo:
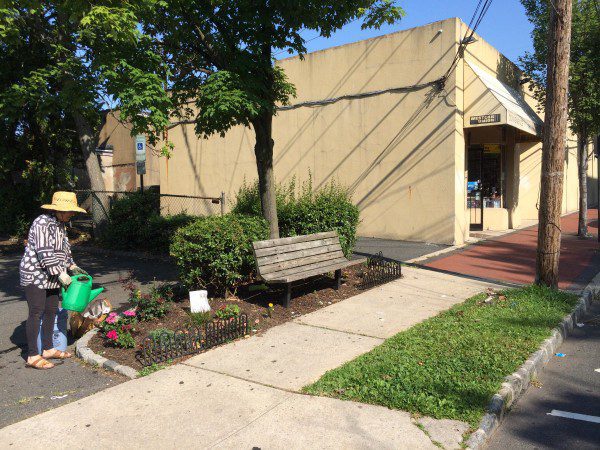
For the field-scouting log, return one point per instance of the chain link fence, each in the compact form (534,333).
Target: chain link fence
(99,203)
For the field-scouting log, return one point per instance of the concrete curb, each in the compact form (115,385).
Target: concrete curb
(124,254)
(84,352)
(517,383)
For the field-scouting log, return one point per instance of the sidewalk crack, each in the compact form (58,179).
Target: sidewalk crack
(339,331)
(290,391)
(277,405)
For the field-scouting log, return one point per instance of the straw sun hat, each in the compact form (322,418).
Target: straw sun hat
(64,201)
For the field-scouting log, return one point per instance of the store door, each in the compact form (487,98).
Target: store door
(474,187)
(485,186)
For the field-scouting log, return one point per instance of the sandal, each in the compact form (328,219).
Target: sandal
(57,354)
(39,363)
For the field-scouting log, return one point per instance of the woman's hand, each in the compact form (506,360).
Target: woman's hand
(76,270)
(64,279)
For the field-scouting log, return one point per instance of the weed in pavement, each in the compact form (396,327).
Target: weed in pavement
(153,368)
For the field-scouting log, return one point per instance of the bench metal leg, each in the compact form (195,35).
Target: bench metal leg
(288,295)
(338,279)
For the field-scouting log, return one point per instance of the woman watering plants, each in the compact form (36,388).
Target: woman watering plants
(43,270)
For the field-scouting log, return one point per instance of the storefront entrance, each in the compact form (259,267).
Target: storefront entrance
(485,181)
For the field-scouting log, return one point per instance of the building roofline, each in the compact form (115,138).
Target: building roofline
(369,39)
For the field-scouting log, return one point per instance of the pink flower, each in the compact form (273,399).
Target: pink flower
(129,313)
(112,334)
(111,318)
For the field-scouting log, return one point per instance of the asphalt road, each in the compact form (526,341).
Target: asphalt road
(394,249)
(570,384)
(25,392)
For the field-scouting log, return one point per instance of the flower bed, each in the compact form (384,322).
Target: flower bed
(260,306)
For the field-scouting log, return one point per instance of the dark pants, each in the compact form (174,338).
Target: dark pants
(43,303)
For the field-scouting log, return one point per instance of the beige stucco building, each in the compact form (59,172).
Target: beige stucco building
(116,151)
(420,161)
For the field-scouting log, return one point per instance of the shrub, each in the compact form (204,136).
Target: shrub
(135,222)
(216,251)
(310,211)
(162,229)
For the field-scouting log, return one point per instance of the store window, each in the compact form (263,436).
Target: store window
(486,180)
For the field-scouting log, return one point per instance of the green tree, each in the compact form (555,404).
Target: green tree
(584,78)
(89,56)
(222,71)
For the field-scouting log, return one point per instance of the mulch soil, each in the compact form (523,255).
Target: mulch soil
(312,294)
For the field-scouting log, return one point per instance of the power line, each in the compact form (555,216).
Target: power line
(468,39)
(329,101)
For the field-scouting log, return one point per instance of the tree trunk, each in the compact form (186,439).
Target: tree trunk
(263,150)
(553,149)
(99,202)
(582,163)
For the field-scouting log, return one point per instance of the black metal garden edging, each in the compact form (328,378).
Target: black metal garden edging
(175,344)
(379,270)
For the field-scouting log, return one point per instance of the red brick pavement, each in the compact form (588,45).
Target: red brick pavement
(512,257)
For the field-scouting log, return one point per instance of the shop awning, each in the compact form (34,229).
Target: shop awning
(488,101)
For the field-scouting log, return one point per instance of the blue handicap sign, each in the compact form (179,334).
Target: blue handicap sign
(140,146)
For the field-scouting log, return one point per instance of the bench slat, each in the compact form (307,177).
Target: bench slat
(294,247)
(285,273)
(301,262)
(272,259)
(293,240)
(311,273)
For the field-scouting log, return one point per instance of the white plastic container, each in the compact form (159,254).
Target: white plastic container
(199,301)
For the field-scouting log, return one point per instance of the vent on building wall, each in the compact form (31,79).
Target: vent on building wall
(105,150)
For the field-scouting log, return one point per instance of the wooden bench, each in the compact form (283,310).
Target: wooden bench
(285,260)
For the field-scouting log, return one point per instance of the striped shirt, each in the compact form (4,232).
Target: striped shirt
(47,253)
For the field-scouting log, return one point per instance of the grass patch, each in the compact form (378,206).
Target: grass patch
(449,366)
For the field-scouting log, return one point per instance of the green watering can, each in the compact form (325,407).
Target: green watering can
(79,293)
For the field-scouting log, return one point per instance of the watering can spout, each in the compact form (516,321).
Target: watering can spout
(95,293)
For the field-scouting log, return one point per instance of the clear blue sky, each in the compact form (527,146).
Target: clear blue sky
(505,26)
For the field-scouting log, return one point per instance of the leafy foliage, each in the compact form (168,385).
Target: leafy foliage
(216,251)
(227,312)
(135,222)
(64,64)
(200,318)
(118,329)
(308,211)
(153,305)
(584,70)
(220,54)
(449,366)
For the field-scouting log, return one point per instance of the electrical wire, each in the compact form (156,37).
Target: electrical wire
(329,101)
(483,9)
(480,11)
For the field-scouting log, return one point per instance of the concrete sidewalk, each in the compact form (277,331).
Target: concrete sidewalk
(246,394)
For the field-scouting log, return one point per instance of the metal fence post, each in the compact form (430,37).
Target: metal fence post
(222,203)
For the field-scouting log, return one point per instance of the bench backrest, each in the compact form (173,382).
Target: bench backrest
(278,259)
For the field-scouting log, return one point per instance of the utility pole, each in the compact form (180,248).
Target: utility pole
(553,149)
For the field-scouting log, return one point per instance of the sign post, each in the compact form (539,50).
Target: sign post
(140,157)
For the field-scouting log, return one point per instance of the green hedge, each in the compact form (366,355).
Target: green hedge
(216,252)
(310,211)
(135,223)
